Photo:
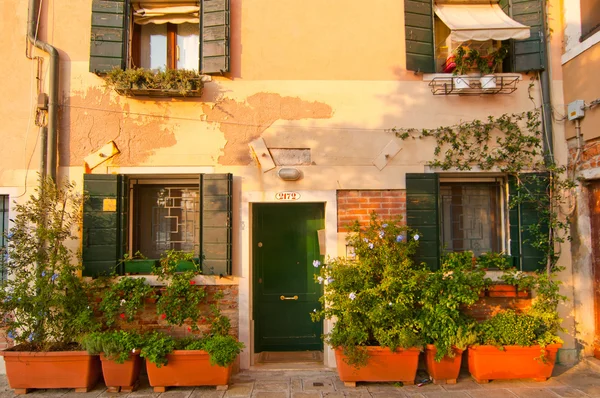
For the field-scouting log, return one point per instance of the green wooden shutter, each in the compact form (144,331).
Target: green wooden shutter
(105,223)
(422,214)
(214,31)
(522,217)
(107,47)
(418,21)
(529,54)
(216,218)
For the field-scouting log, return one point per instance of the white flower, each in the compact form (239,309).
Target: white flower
(316,263)
(370,245)
(417,237)
(320,279)
(330,279)
(123,301)
(133,351)
(390,304)
(384,225)
(314,310)
(366,240)
(352,296)
(381,234)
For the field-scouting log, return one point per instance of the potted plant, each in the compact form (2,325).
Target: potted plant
(488,64)
(513,283)
(463,59)
(146,82)
(122,300)
(119,354)
(373,300)
(138,264)
(195,360)
(445,329)
(45,305)
(520,345)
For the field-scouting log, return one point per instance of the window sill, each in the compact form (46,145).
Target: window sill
(158,93)
(448,84)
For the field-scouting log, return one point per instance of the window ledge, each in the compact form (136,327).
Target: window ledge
(155,92)
(448,84)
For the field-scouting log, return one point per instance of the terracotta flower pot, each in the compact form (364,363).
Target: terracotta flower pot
(514,362)
(447,369)
(121,376)
(187,368)
(59,369)
(382,365)
(501,290)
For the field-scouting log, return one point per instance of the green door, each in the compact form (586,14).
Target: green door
(285,244)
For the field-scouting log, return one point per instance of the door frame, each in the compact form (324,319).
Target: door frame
(329,201)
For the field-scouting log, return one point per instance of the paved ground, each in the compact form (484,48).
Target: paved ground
(582,380)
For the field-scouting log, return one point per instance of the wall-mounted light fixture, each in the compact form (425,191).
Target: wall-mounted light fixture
(289,174)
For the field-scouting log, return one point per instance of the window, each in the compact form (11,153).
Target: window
(590,18)
(172,34)
(3,232)
(470,214)
(166,217)
(471,217)
(125,214)
(426,32)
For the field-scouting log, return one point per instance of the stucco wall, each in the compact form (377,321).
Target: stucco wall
(329,77)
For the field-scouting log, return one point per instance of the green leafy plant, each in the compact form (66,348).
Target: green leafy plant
(44,304)
(490,62)
(116,345)
(179,300)
(180,80)
(457,283)
(494,260)
(220,345)
(124,299)
(464,59)
(374,297)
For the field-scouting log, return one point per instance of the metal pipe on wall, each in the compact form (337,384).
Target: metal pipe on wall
(52,136)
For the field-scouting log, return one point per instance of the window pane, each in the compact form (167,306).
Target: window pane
(167,218)
(471,217)
(153,46)
(188,41)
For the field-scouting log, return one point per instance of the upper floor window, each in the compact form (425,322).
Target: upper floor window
(171,34)
(434,31)
(165,37)
(590,18)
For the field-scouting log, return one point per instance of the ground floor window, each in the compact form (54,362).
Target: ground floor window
(471,217)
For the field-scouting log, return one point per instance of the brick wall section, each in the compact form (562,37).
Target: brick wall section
(229,306)
(487,307)
(358,206)
(589,158)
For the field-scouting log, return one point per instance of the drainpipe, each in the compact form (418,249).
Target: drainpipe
(43,146)
(32,18)
(548,143)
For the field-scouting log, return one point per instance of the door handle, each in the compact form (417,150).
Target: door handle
(288,298)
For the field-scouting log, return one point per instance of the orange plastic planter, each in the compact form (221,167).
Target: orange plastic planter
(447,369)
(121,376)
(514,362)
(59,369)
(187,368)
(382,365)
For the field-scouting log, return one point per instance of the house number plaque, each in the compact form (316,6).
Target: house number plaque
(287,196)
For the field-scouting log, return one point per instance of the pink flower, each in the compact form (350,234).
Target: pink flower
(163,316)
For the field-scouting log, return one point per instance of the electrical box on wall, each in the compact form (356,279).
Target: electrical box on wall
(575,110)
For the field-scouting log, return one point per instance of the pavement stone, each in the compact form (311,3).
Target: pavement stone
(582,380)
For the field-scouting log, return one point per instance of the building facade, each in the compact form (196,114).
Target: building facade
(290,140)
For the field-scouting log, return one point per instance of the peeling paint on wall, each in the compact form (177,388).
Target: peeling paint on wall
(242,122)
(90,120)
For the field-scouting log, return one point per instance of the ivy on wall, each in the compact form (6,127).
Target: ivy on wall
(511,144)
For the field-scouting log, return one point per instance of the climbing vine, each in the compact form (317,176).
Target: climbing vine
(513,145)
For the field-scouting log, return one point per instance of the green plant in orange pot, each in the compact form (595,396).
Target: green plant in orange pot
(373,299)
(44,304)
